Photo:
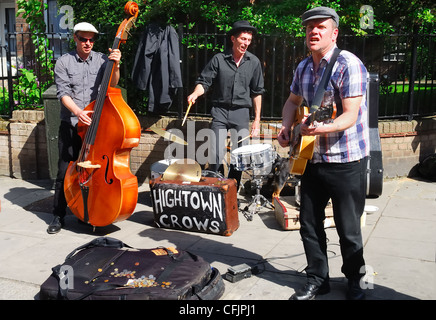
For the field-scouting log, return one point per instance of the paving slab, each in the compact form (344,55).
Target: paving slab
(399,244)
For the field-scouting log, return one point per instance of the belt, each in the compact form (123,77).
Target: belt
(228,106)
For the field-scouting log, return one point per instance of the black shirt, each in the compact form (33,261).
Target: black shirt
(232,86)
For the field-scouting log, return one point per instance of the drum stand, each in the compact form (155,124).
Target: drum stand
(258,201)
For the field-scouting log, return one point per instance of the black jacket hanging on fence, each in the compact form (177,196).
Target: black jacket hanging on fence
(157,66)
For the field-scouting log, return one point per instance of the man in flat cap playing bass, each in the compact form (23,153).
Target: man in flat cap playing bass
(337,170)
(78,75)
(237,80)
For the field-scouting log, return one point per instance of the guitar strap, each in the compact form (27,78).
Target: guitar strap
(319,94)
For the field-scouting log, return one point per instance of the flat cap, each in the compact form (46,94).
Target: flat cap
(319,13)
(85,27)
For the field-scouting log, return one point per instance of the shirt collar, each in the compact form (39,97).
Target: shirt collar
(325,59)
(328,55)
(228,54)
(79,59)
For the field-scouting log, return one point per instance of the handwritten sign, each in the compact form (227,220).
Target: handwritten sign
(189,207)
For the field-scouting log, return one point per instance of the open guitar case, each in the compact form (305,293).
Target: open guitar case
(108,269)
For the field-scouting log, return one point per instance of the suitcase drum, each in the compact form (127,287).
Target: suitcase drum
(208,206)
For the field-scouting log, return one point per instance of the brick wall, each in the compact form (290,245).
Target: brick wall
(4,149)
(28,147)
(405,144)
(23,147)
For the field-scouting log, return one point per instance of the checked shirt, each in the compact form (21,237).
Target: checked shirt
(348,79)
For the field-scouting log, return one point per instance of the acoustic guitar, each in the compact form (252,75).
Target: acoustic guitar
(302,147)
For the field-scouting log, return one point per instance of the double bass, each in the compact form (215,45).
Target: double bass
(99,186)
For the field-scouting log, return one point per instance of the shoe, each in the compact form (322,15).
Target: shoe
(55,225)
(355,291)
(310,291)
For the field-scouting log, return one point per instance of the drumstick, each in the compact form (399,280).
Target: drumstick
(187,111)
(245,138)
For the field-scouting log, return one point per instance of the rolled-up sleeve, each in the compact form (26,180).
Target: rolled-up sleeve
(257,82)
(352,77)
(62,80)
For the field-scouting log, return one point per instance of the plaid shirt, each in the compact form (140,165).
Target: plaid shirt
(348,79)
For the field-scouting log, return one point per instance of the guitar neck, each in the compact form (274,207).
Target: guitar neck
(310,118)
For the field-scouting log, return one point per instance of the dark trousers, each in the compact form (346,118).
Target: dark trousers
(69,144)
(224,119)
(345,185)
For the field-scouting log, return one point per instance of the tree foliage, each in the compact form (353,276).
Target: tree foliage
(30,86)
(274,17)
(269,16)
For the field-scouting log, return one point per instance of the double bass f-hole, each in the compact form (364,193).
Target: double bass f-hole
(86,170)
(105,157)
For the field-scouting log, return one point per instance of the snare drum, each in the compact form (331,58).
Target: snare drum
(158,168)
(252,156)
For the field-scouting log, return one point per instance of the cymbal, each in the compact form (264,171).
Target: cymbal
(168,135)
(183,170)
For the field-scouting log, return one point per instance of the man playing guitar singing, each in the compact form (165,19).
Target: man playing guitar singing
(337,170)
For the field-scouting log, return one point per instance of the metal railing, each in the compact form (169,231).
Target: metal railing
(17,53)
(403,62)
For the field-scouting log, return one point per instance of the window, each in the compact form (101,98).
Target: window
(7,39)
(10,28)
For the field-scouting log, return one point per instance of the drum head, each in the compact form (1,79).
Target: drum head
(252,148)
(158,168)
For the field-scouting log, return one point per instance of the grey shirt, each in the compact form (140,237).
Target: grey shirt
(79,79)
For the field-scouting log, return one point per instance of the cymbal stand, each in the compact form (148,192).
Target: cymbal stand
(258,201)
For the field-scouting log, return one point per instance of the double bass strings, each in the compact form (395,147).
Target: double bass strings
(91,132)
(98,107)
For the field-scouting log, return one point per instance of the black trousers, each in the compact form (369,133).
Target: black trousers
(224,119)
(345,185)
(69,144)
